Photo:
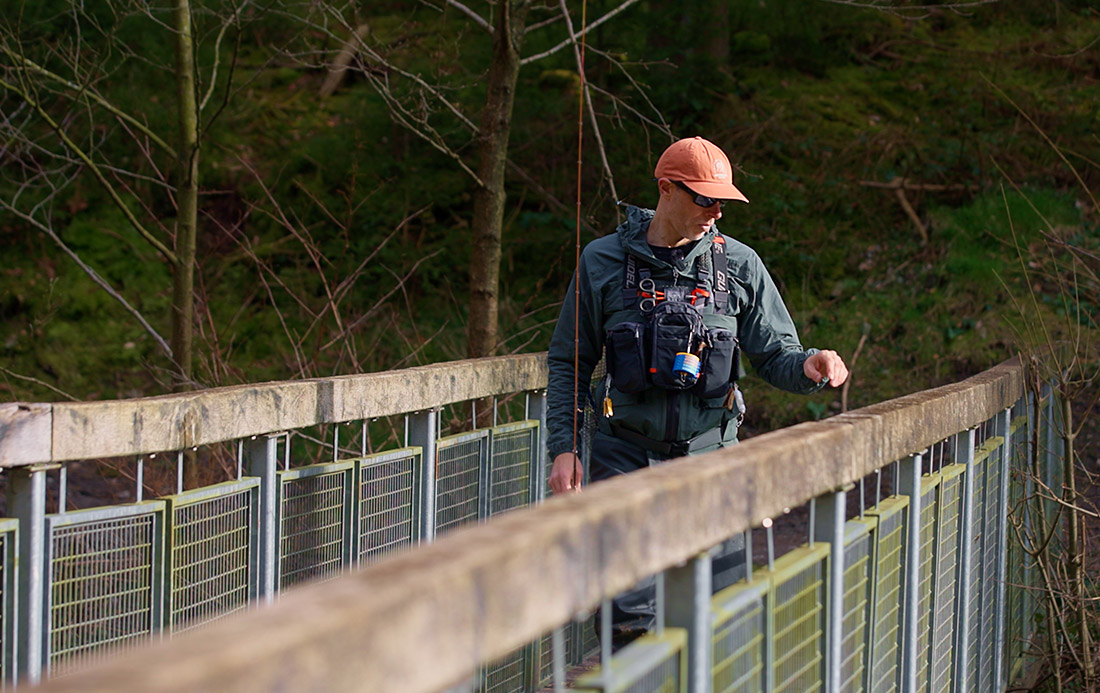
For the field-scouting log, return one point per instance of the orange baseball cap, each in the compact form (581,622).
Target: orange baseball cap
(700,165)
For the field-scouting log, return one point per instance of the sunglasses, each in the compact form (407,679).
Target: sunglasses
(701,200)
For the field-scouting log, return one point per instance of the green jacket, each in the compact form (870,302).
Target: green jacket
(755,313)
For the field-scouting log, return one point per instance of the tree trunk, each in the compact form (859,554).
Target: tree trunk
(183,280)
(496,124)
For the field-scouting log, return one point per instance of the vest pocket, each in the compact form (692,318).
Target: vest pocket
(626,361)
(719,360)
(667,343)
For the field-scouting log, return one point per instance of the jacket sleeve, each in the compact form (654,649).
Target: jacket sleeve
(768,335)
(562,385)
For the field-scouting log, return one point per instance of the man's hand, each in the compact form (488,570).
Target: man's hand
(566,475)
(826,364)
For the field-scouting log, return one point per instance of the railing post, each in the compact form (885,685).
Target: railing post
(27,502)
(965,440)
(536,409)
(687,604)
(1002,554)
(263,460)
(909,474)
(829,527)
(422,428)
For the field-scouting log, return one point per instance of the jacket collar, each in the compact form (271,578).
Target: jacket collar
(632,235)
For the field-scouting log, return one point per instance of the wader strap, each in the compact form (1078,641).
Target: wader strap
(677,448)
(720,292)
(632,274)
(716,285)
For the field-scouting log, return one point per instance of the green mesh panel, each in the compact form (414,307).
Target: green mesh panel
(315,506)
(102,581)
(515,447)
(211,555)
(569,633)
(926,582)
(459,479)
(798,618)
(509,674)
(651,664)
(389,502)
(949,507)
(9,541)
(889,555)
(991,546)
(857,594)
(739,624)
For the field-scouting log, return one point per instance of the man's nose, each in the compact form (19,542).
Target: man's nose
(716,210)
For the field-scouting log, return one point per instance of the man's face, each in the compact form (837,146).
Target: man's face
(691,220)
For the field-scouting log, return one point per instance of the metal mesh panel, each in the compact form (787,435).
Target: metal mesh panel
(314,522)
(990,548)
(459,479)
(650,664)
(927,576)
(798,617)
(887,600)
(977,541)
(1016,558)
(508,674)
(514,452)
(389,502)
(211,569)
(949,507)
(588,640)
(857,593)
(103,575)
(739,628)
(662,678)
(546,653)
(9,543)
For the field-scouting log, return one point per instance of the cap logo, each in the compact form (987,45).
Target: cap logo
(720,172)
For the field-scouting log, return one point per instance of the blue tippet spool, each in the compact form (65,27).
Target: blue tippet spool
(686,364)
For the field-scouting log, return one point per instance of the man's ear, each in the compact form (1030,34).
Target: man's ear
(664,186)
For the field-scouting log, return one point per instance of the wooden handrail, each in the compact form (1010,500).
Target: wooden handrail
(426,619)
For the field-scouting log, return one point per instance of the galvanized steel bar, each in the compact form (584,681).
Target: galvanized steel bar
(139,476)
(536,409)
(263,455)
(27,503)
(557,655)
(687,602)
(962,614)
(830,528)
(62,487)
(1002,551)
(422,433)
(909,473)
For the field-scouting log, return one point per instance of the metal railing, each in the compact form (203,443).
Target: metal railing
(93,581)
(920,589)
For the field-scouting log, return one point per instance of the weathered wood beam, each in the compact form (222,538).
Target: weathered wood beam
(426,619)
(37,433)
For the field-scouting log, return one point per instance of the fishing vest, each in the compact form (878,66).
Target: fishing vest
(673,348)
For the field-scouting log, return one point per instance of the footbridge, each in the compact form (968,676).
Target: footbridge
(323,563)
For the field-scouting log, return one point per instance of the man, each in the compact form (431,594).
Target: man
(672,299)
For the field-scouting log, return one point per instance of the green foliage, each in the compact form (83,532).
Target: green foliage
(815,100)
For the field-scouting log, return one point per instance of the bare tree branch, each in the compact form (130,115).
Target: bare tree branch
(87,93)
(43,383)
(91,274)
(588,102)
(539,56)
(122,206)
